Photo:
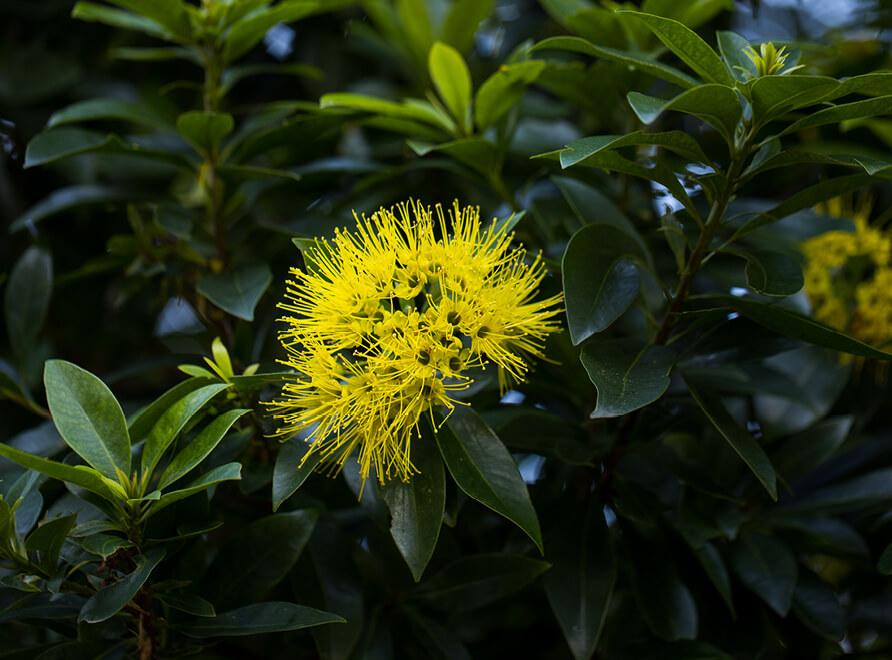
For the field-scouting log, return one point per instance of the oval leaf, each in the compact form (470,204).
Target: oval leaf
(767,567)
(237,293)
(260,618)
(107,602)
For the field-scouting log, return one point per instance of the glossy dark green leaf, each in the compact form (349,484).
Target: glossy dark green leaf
(796,326)
(199,447)
(628,373)
(204,130)
(485,470)
(88,417)
(732,47)
(173,420)
(580,582)
(65,141)
(417,506)
(93,12)
(476,153)
(110,600)
(154,54)
(870,490)
(104,545)
(234,74)
(227,472)
(770,273)
(175,219)
(665,602)
(238,292)
(48,539)
(452,80)
(141,424)
(803,452)
(189,603)
(600,279)
(636,60)
(816,604)
(881,105)
(767,567)
(502,90)
(681,143)
(106,108)
(884,565)
(689,47)
(79,475)
(711,561)
(473,581)
(717,105)
(27,297)
(775,95)
(738,437)
(292,470)
(258,557)
(169,13)
(74,197)
(266,617)
(820,534)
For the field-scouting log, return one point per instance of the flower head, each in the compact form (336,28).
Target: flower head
(848,276)
(388,322)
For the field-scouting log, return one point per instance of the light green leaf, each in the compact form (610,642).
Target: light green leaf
(502,90)
(26,298)
(628,373)
(636,60)
(79,475)
(453,81)
(95,13)
(172,421)
(238,292)
(717,105)
(689,48)
(202,445)
(107,602)
(738,437)
(106,108)
(88,417)
(600,278)
(417,113)
(260,618)
(169,13)
(485,470)
(417,506)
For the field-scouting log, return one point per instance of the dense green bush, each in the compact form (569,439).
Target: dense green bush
(671,454)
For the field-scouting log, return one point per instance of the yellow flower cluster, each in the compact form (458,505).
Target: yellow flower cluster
(848,276)
(387,322)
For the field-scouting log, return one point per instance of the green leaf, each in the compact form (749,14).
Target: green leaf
(681,143)
(664,601)
(452,80)
(715,568)
(94,13)
(816,604)
(27,298)
(797,326)
(154,54)
(227,472)
(142,423)
(474,581)
(173,420)
(246,33)
(600,279)
(770,273)
(107,602)
(503,90)
(636,60)
(803,452)
(580,583)
(438,641)
(774,96)
(767,567)
(868,491)
(738,437)
(169,13)
(477,153)
(881,105)
(79,475)
(49,538)
(106,108)
(104,545)
(260,618)
(628,373)
(884,565)
(462,22)
(425,114)
(485,470)
(204,130)
(238,292)
(88,417)
(233,75)
(732,47)
(72,197)
(689,48)
(258,557)
(249,384)
(717,105)
(189,603)
(65,141)
(202,445)
(292,470)
(417,506)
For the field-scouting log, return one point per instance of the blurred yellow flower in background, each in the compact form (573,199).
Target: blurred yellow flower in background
(389,318)
(848,276)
